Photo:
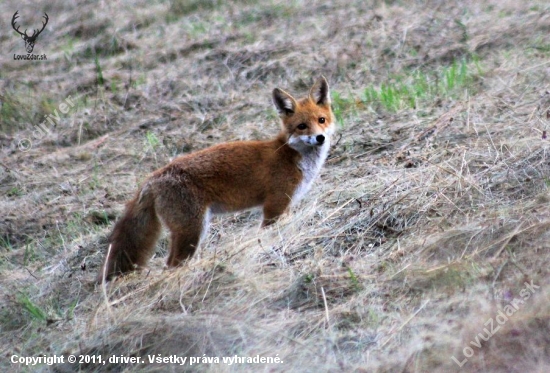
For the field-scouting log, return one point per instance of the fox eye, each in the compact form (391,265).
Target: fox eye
(302,126)
(321,120)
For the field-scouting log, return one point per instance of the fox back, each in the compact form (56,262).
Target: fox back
(227,177)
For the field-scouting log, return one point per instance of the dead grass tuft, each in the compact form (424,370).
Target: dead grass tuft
(430,216)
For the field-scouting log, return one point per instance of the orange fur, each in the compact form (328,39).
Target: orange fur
(224,178)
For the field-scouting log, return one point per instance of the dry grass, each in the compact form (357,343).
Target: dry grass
(429,218)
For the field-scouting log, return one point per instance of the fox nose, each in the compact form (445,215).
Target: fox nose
(320,139)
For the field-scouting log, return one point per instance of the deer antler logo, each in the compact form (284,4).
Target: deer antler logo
(29,40)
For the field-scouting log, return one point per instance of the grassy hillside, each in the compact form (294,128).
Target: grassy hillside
(423,247)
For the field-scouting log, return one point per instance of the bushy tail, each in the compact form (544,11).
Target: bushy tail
(133,239)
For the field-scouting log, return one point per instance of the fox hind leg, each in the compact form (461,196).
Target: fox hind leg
(186,216)
(184,239)
(183,244)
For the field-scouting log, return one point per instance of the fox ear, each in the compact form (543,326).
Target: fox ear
(320,93)
(284,102)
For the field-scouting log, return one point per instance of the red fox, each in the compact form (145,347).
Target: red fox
(224,178)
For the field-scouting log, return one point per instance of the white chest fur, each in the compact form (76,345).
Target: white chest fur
(310,165)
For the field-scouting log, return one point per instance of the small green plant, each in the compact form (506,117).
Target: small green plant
(308,279)
(15,192)
(99,72)
(356,286)
(68,47)
(477,64)
(342,107)
(540,45)
(464,29)
(373,317)
(97,173)
(266,11)
(139,81)
(196,29)
(69,314)
(30,254)
(411,91)
(391,95)
(115,84)
(152,140)
(19,108)
(180,8)
(6,243)
(34,310)
(455,77)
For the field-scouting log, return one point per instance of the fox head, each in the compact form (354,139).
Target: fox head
(309,122)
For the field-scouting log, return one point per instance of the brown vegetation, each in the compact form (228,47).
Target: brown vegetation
(431,213)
